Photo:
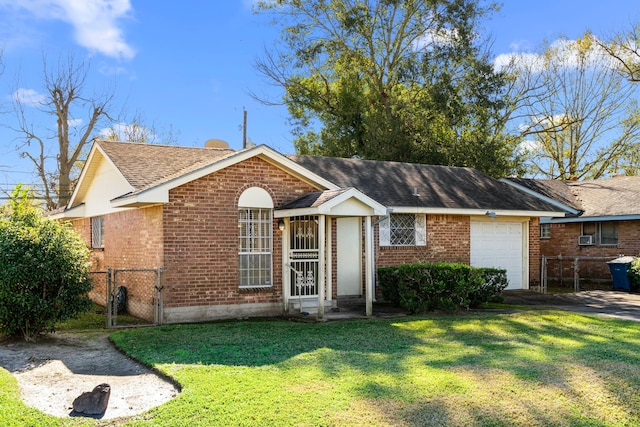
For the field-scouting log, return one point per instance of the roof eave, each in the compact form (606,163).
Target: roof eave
(151,197)
(475,212)
(630,217)
(542,197)
(73,213)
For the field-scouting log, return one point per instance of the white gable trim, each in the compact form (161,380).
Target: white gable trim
(96,154)
(160,193)
(371,207)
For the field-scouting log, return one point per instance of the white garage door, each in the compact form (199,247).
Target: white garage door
(499,244)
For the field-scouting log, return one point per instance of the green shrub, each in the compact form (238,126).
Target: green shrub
(490,290)
(43,270)
(634,275)
(442,286)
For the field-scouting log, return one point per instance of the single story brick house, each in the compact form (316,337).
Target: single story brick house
(601,221)
(254,232)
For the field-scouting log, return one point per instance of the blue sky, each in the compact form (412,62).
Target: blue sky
(187,65)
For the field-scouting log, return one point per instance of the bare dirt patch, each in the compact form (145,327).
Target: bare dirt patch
(56,369)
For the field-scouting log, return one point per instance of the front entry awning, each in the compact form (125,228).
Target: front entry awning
(341,202)
(344,202)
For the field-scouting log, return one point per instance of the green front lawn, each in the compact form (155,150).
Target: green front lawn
(545,368)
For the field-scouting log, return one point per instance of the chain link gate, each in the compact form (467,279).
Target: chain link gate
(577,272)
(136,292)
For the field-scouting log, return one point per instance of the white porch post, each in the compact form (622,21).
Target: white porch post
(368,256)
(329,259)
(321,265)
(286,273)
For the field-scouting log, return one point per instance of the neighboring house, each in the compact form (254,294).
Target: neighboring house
(255,232)
(602,219)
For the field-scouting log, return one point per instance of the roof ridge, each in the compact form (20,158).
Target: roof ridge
(389,162)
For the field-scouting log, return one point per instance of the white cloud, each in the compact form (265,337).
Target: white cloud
(75,122)
(530,60)
(528,146)
(96,23)
(566,53)
(28,97)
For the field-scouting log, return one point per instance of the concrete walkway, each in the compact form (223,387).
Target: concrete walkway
(622,305)
(618,304)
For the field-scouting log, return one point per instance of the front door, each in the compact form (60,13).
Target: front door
(303,256)
(349,254)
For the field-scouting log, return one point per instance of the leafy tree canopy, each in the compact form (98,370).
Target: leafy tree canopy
(403,80)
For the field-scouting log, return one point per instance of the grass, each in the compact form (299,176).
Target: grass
(529,368)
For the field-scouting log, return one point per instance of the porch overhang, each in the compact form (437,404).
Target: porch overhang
(342,202)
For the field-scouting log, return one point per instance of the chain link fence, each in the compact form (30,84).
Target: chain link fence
(576,273)
(130,296)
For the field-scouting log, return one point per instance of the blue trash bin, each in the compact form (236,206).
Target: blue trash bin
(619,268)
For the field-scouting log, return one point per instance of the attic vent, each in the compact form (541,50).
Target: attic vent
(585,240)
(216,143)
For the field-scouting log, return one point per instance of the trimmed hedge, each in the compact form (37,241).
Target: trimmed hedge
(441,286)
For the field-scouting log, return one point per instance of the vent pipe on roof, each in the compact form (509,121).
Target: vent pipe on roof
(415,192)
(216,143)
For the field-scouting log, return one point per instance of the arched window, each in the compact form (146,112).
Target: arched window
(255,230)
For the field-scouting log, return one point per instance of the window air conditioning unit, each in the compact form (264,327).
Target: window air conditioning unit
(585,240)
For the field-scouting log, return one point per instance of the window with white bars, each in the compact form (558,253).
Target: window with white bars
(255,230)
(97,232)
(403,230)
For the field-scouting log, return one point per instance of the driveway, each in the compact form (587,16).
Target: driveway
(622,305)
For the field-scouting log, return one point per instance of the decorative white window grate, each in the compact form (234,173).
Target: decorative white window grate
(255,231)
(403,230)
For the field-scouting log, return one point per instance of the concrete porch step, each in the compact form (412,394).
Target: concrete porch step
(309,305)
(350,300)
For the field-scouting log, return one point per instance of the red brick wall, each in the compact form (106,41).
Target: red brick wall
(132,240)
(448,240)
(98,293)
(564,241)
(201,235)
(534,252)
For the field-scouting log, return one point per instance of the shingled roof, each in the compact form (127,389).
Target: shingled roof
(147,165)
(617,196)
(392,184)
(396,184)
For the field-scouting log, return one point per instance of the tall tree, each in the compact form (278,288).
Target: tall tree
(624,48)
(56,153)
(404,80)
(581,115)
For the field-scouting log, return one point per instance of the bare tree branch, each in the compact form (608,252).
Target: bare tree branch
(56,157)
